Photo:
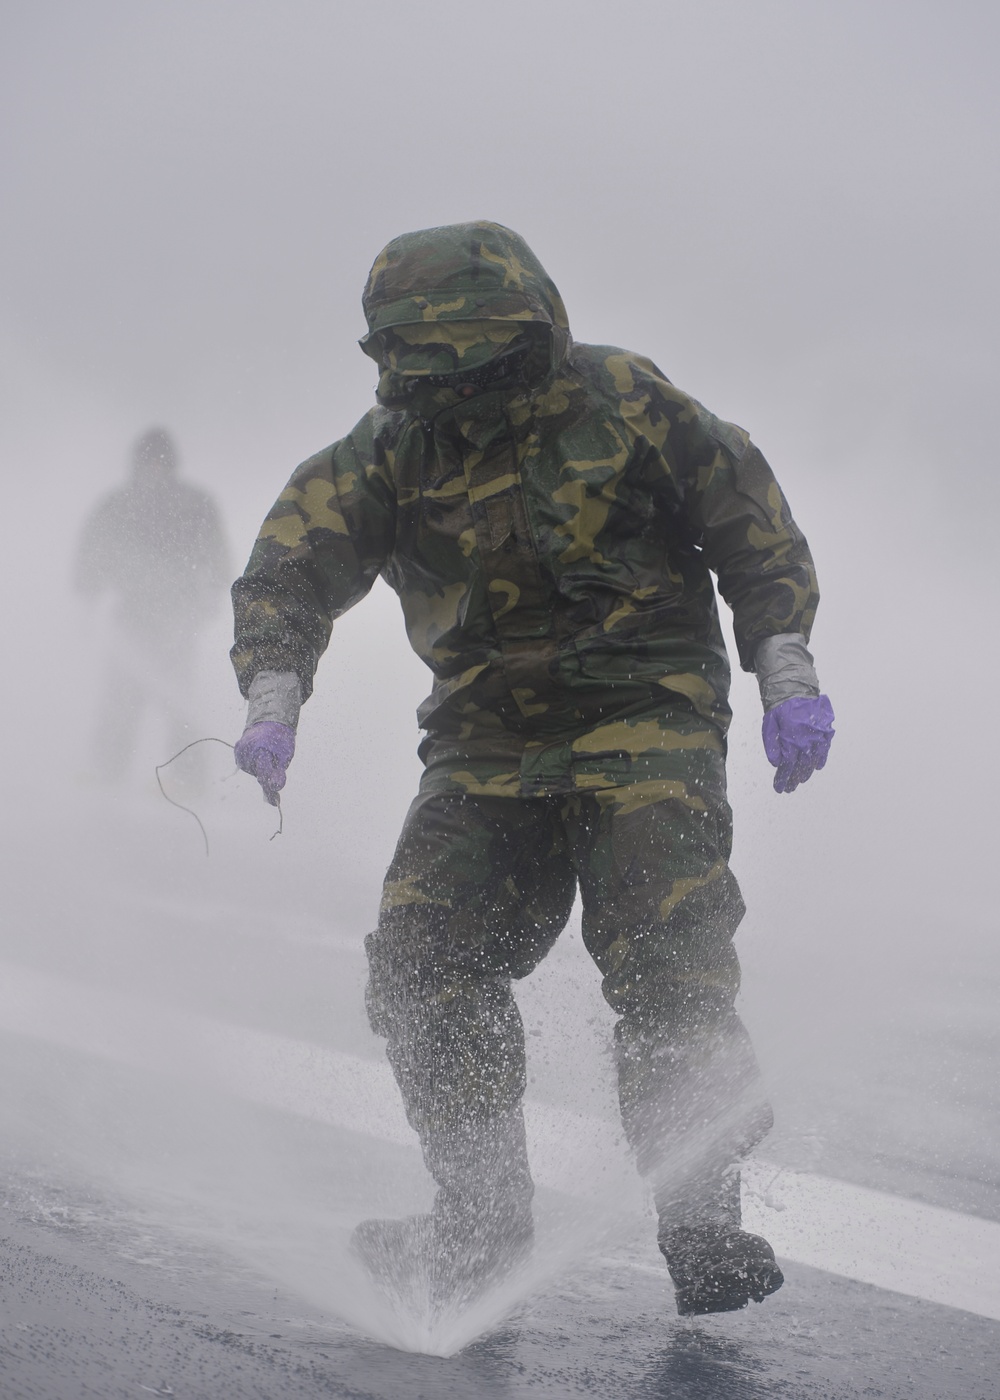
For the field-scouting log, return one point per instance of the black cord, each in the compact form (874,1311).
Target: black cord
(209,739)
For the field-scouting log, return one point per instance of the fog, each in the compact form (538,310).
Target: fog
(793,209)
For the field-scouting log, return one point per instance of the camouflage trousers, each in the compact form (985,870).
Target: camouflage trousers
(478,891)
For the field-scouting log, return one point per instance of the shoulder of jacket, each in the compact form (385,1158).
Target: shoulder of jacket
(691,416)
(620,370)
(731,436)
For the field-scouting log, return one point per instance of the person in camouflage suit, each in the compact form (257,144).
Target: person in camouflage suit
(550,515)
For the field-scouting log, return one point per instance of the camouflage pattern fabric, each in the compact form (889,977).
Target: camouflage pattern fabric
(551,536)
(550,516)
(477,893)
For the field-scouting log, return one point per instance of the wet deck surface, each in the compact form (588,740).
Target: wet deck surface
(83,1315)
(105,1295)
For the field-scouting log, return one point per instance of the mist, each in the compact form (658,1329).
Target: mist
(793,210)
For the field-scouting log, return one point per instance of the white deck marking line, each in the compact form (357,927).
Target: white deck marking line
(905,1246)
(876,1238)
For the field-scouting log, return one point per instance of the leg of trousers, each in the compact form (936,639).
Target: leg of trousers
(661,907)
(477,892)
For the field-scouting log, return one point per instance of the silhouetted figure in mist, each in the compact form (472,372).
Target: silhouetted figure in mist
(157,545)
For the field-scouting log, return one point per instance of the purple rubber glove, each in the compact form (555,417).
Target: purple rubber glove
(797,737)
(264,751)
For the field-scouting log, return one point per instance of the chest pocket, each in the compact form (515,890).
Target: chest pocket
(500,518)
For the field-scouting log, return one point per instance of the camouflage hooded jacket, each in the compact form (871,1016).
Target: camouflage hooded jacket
(549,527)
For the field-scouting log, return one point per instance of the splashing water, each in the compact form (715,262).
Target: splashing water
(179,1113)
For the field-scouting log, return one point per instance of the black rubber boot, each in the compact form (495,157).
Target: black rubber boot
(718,1267)
(480,1228)
(715,1264)
(447,1258)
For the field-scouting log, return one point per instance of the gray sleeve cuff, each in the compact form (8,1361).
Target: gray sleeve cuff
(784,668)
(274,695)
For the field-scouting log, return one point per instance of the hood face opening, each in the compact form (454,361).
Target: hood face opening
(460,310)
(431,348)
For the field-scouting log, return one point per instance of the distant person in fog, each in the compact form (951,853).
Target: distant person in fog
(157,546)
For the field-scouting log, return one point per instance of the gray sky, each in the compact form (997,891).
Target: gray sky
(791,207)
(738,190)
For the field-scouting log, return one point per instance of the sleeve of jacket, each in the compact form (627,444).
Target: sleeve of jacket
(318,552)
(738,516)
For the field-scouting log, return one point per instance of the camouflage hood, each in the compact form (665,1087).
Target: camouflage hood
(465,302)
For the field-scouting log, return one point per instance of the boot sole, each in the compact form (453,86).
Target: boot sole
(742,1291)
